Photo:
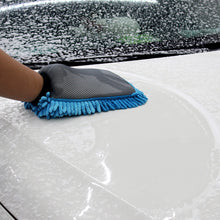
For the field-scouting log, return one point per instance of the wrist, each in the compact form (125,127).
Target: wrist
(43,87)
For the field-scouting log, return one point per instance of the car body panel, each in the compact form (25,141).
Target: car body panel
(157,161)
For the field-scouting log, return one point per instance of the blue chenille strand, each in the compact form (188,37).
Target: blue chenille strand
(133,102)
(109,103)
(88,110)
(106,104)
(98,106)
(42,113)
(56,105)
(76,108)
(79,109)
(117,104)
(60,108)
(120,105)
(44,104)
(68,109)
(103,106)
(130,103)
(51,109)
(123,106)
(56,115)
(64,108)
(71,108)
(47,114)
(43,99)
(126,103)
(91,105)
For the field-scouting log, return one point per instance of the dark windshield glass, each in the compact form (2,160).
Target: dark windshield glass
(40,32)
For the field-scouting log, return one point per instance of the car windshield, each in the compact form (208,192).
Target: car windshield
(87,31)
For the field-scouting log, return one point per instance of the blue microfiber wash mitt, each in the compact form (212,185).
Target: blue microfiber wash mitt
(73,92)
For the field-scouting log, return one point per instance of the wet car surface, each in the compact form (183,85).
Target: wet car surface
(159,162)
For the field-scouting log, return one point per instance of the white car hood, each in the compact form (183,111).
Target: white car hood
(157,161)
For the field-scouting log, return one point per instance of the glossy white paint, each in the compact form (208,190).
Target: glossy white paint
(158,161)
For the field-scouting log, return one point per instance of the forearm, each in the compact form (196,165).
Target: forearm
(18,81)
